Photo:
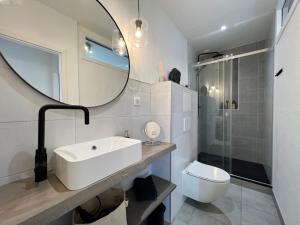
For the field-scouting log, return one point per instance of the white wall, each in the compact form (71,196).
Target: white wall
(166,42)
(171,104)
(286,145)
(192,59)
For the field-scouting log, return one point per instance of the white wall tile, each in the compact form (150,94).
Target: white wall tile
(21,103)
(177,98)
(165,124)
(161,98)
(98,128)
(137,127)
(171,118)
(144,108)
(177,124)
(122,105)
(185,141)
(187,102)
(102,111)
(136,87)
(57,133)
(19,142)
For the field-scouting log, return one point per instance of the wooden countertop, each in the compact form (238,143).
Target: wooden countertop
(27,203)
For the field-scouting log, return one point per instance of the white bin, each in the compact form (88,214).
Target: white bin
(112,197)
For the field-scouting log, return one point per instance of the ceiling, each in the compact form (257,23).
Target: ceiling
(247,21)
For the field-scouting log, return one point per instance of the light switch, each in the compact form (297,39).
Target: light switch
(137,101)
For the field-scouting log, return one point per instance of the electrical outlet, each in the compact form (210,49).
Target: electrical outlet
(137,101)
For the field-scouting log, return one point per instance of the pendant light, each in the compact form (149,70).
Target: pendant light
(88,47)
(139,30)
(118,43)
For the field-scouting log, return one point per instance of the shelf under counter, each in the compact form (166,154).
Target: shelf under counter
(28,203)
(138,211)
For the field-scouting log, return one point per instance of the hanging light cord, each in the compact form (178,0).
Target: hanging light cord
(138,9)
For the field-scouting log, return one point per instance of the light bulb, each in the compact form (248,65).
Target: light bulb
(138,29)
(213,87)
(223,28)
(138,32)
(121,52)
(88,47)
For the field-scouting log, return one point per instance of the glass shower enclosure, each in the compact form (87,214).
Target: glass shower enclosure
(216,98)
(230,118)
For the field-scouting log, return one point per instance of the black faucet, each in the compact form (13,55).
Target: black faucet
(40,169)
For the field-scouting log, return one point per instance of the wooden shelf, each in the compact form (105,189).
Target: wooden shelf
(27,203)
(138,211)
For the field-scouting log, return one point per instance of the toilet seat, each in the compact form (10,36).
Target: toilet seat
(207,172)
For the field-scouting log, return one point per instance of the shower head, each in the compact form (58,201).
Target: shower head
(209,55)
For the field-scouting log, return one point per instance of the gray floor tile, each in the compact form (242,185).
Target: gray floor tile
(252,216)
(259,201)
(226,210)
(179,222)
(236,181)
(243,204)
(256,187)
(200,218)
(235,192)
(185,213)
(231,211)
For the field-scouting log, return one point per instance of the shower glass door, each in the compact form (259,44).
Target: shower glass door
(214,83)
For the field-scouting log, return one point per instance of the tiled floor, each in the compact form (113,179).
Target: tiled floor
(243,204)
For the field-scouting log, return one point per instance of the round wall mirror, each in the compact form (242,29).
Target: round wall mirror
(72,51)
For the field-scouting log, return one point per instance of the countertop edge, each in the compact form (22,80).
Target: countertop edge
(71,199)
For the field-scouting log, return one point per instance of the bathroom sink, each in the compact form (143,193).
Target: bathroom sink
(82,164)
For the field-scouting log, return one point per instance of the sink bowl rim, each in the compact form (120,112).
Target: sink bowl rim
(62,152)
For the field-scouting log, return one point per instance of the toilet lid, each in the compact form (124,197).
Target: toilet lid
(207,172)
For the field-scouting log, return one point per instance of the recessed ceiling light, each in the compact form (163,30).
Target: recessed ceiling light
(223,28)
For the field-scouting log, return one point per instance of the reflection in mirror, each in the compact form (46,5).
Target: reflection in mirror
(38,66)
(65,49)
(101,53)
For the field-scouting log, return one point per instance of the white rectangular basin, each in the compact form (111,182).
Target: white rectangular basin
(82,164)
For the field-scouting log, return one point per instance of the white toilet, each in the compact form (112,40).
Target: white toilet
(204,183)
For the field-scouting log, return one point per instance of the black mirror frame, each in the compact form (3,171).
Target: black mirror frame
(63,103)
